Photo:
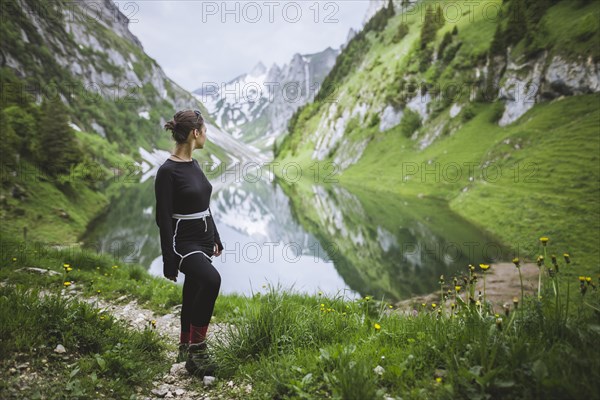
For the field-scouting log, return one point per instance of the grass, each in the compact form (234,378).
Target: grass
(292,346)
(103,357)
(287,345)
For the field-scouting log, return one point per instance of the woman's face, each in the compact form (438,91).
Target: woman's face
(201,139)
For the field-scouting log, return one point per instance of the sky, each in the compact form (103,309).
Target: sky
(202,41)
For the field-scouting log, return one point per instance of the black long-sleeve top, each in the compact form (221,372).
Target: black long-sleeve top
(182,188)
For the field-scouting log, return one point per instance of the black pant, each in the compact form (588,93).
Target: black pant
(200,290)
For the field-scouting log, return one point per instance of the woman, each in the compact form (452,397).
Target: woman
(188,236)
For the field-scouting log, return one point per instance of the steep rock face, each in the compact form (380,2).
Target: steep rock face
(257,106)
(88,46)
(537,80)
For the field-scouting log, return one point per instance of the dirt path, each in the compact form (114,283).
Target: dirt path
(501,285)
(177,383)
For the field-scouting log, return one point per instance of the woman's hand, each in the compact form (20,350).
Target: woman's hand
(217,250)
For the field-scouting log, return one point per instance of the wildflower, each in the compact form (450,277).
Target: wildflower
(98,291)
(438,379)
(471,267)
(517,262)
(379,370)
(320,293)
(540,261)
(506,308)
(377,326)
(484,267)
(567,258)
(115,266)
(391,306)
(153,323)
(67,283)
(65,265)
(499,323)
(102,317)
(516,302)
(367,298)
(544,240)
(14,259)
(453,306)
(457,288)
(322,305)
(553,257)
(582,279)
(433,305)
(588,279)
(423,304)
(68,269)
(478,303)
(441,282)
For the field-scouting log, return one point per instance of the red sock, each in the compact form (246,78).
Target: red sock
(198,333)
(184,337)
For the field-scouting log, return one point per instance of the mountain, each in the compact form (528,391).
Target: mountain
(255,107)
(82,103)
(423,92)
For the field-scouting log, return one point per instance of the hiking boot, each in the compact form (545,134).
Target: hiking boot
(198,362)
(182,354)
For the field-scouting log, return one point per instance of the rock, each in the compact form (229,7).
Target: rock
(177,368)
(160,392)
(179,392)
(23,366)
(40,271)
(379,370)
(60,349)
(170,379)
(209,380)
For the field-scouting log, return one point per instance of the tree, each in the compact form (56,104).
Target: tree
(56,146)
(445,42)
(23,123)
(8,141)
(517,22)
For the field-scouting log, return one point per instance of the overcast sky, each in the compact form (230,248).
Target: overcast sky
(198,41)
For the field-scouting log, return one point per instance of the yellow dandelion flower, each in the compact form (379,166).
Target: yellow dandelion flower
(517,262)
(67,283)
(582,279)
(544,240)
(14,258)
(438,379)
(478,303)
(391,306)
(322,305)
(484,266)
(367,298)
(65,265)
(98,291)
(102,317)
(433,305)
(377,326)
(588,279)
(567,258)
(457,288)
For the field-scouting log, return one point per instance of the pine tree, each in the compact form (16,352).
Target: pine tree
(8,141)
(517,22)
(56,147)
(445,42)
(429,28)
(439,17)
(497,47)
(455,31)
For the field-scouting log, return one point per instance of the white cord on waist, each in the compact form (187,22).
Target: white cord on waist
(198,215)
